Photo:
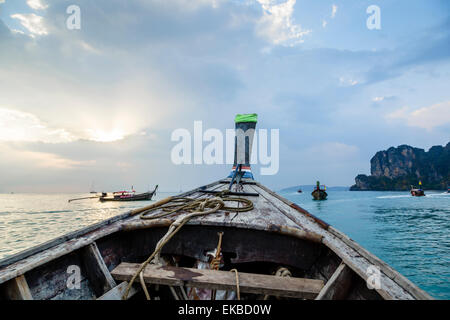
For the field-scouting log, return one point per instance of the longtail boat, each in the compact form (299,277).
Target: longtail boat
(128,196)
(231,239)
(319,193)
(417,192)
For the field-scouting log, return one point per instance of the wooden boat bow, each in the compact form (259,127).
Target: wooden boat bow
(257,235)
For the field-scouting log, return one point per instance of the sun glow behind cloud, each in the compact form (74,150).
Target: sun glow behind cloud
(18,126)
(105,136)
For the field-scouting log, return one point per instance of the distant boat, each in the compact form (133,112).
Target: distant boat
(92,188)
(318,193)
(417,192)
(299,191)
(128,196)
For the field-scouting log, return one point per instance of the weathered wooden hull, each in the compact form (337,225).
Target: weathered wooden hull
(325,263)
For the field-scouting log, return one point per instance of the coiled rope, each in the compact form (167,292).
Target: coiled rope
(195,208)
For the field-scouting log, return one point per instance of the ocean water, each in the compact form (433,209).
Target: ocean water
(29,219)
(409,233)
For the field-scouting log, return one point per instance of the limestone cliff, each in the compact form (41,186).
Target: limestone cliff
(399,168)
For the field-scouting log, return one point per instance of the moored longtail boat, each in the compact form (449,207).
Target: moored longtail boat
(231,239)
(129,196)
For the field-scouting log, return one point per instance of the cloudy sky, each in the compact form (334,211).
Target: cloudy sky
(98,105)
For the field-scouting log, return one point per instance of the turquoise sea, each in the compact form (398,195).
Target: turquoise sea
(411,234)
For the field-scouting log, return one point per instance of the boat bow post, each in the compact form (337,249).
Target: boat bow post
(245,125)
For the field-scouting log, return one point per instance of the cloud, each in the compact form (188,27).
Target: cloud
(333,163)
(89,48)
(21,126)
(428,48)
(19,157)
(26,127)
(334,9)
(15,31)
(277,24)
(427,117)
(383,98)
(37,4)
(332,150)
(195,4)
(32,22)
(159,65)
(346,82)
(51,161)
(105,136)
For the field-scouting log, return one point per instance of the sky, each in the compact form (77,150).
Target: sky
(96,106)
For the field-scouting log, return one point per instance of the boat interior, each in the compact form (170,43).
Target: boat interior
(249,251)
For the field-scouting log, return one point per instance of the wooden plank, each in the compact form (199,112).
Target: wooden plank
(337,287)
(222,280)
(96,270)
(17,289)
(117,292)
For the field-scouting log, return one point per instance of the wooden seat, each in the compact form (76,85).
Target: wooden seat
(222,280)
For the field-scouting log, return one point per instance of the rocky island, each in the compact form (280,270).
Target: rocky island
(396,169)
